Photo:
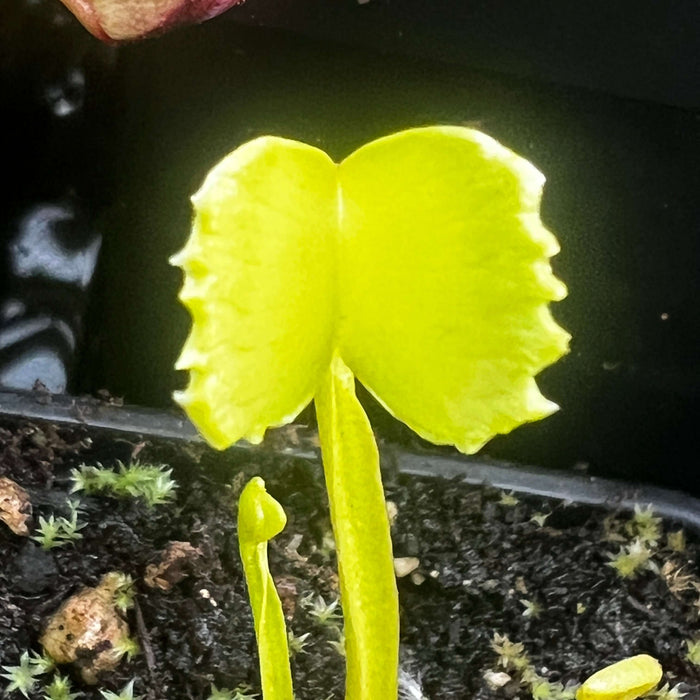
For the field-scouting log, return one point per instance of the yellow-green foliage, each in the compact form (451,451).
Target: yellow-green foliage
(260,518)
(625,680)
(420,260)
(419,265)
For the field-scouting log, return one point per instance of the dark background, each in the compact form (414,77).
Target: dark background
(603,101)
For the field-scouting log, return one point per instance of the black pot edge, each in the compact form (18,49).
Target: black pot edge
(523,479)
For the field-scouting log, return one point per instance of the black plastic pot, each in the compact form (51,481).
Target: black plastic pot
(137,423)
(484,560)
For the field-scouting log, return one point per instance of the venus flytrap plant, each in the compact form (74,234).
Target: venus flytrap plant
(419,265)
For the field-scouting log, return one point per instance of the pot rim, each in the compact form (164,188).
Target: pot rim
(518,478)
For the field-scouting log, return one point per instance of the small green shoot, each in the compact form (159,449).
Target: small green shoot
(220,693)
(532,608)
(644,526)
(675,541)
(126,693)
(123,592)
(665,692)
(631,559)
(325,614)
(513,659)
(511,655)
(540,518)
(126,646)
(693,654)
(42,662)
(60,689)
(260,518)
(23,677)
(508,499)
(297,643)
(543,689)
(58,532)
(242,692)
(153,483)
(338,644)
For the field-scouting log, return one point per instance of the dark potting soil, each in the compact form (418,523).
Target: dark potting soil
(488,565)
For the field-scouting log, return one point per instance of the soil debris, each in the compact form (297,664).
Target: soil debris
(403,566)
(479,558)
(173,565)
(15,506)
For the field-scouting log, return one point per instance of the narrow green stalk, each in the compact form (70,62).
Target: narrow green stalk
(260,518)
(363,541)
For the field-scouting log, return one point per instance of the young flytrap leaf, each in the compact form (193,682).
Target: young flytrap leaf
(260,518)
(420,265)
(420,259)
(625,680)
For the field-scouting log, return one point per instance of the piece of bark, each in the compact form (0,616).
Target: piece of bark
(173,565)
(15,506)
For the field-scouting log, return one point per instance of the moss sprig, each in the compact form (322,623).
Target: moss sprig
(60,689)
(153,483)
(242,692)
(325,614)
(60,531)
(632,559)
(126,693)
(693,654)
(513,658)
(23,678)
